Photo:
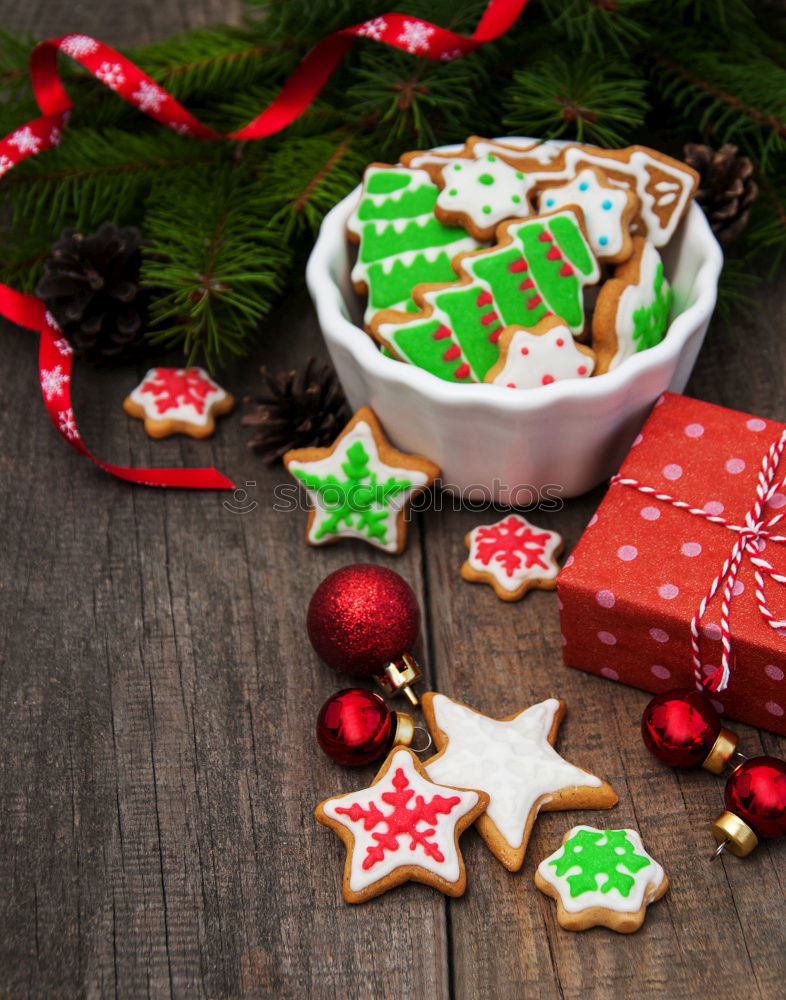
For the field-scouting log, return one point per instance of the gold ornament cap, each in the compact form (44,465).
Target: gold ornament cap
(722,751)
(397,677)
(734,834)
(405,729)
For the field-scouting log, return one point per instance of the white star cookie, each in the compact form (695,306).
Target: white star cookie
(540,355)
(514,761)
(178,401)
(608,211)
(513,556)
(601,878)
(402,828)
(479,194)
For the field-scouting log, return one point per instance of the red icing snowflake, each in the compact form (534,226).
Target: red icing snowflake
(512,544)
(401,821)
(175,387)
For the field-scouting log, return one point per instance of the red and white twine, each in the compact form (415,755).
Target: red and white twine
(751,539)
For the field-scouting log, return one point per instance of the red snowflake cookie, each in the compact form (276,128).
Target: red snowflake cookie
(403,827)
(178,401)
(513,556)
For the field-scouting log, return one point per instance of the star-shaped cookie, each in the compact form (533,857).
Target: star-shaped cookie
(514,761)
(513,555)
(360,486)
(178,401)
(601,878)
(402,828)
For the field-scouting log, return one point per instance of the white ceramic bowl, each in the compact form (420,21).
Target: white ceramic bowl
(496,443)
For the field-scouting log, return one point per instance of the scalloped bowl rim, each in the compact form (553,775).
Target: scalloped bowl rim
(329,299)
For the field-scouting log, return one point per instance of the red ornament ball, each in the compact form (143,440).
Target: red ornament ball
(756,792)
(362,617)
(680,727)
(355,727)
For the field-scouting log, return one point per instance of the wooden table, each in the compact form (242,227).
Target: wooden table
(158,768)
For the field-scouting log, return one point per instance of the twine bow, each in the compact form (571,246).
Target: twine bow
(752,537)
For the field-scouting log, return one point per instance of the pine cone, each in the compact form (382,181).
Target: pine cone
(297,410)
(91,287)
(726,187)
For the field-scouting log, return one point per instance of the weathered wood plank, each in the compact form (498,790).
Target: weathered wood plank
(157,704)
(719,930)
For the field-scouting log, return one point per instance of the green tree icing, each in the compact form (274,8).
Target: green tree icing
(359,501)
(596,854)
(650,322)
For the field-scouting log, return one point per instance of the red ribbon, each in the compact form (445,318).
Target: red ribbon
(409,34)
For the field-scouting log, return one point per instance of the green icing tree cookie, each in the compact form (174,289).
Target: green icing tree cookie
(539,268)
(401,243)
(651,321)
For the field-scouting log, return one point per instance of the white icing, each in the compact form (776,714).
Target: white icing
(635,297)
(602,206)
(646,881)
(636,167)
(332,466)
(551,356)
(512,761)
(486,190)
(511,579)
(544,152)
(184,412)
(444,827)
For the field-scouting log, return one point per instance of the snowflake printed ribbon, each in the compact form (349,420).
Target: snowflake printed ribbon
(408,34)
(750,540)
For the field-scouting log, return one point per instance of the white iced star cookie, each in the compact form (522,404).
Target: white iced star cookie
(514,761)
(402,828)
(539,355)
(633,308)
(601,878)
(479,194)
(608,210)
(360,486)
(178,401)
(513,556)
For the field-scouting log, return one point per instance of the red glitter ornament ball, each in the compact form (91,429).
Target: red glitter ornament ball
(355,727)
(361,618)
(756,792)
(680,727)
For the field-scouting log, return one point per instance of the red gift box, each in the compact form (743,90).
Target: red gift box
(636,582)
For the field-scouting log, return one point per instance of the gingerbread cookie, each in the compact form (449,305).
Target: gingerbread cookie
(601,878)
(539,268)
(514,761)
(632,309)
(547,353)
(663,185)
(178,401)
(608,211)
(513,556)
(479,194)
(360,486)
(402,828)
(401,243)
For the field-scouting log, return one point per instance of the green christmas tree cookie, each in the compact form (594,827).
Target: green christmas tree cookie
(360,486)
(539,268)
(633,309)
(601,877)
(401,243)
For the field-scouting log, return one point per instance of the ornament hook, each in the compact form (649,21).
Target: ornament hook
(428,743)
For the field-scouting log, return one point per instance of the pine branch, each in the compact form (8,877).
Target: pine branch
(215,264)
(576,97)
(98,174)
(596,24)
